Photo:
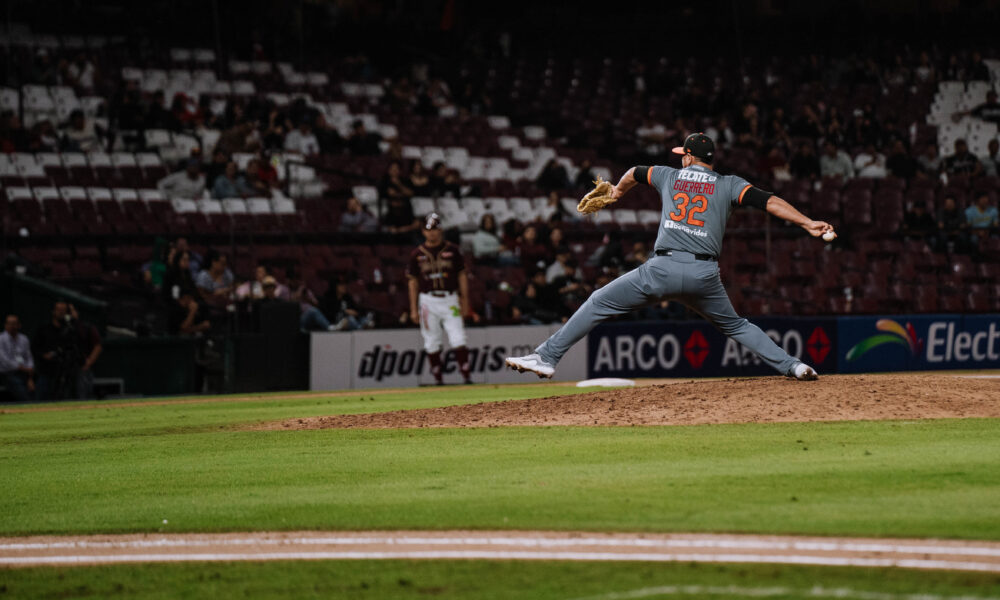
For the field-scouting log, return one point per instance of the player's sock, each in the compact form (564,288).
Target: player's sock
(435,360)
(462,354)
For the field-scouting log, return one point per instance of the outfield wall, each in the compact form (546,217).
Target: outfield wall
(396,358)
(832,344)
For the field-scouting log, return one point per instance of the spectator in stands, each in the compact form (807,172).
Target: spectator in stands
(773,164)
(328,137)
(444,181)
(195,259)
(393,183)
(556,270)
(361,142)
(312,318)
(900,163)
(585,178)
(157,116)
(486,245)
(553,176)
(538,302)
(982,217)
(89,348)
(835,163)
(556,211)
(240,138)
(833,127)
(419,181)
(399,218)
(217,167)
(154,271)
(991,162)
(925,71)
(962,162)
(80,73)
(346,313)
(42,70)
(231,184)
(254,289)
(254,183)
(80,134)
(807,125)
(13,137)
(17,365)
(302,140)
(929,162)
(530,248)
(951,226)
(357,219)
(804,164)
(977,69)
(918,224)
(637,256)
(556,240)
(610,253)
(870,163)
(572,290)
(188,317)
(56,355)
(44,137)
(178,279)
(189,183)
(987,111)
(215,283)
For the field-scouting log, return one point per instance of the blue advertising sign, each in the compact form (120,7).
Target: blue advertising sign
(918,343)
(696,349)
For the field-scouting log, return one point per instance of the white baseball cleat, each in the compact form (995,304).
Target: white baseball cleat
(804,372)
(533,363)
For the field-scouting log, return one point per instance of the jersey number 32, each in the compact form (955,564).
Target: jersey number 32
(688,208)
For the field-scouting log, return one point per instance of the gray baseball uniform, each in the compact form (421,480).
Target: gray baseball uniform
(696,204)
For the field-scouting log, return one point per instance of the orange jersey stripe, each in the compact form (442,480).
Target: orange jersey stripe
(744,192)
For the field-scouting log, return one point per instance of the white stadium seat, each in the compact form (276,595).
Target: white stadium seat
(73,192)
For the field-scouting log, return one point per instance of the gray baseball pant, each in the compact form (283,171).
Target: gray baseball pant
(679,277)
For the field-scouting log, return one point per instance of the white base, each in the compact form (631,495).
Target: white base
(606,382)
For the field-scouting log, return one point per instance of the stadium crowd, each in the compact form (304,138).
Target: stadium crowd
(778,125)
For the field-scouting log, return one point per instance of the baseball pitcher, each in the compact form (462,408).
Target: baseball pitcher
(684,265)
(439,297)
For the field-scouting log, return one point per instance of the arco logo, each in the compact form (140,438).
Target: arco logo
(894,334)
(696,349)
(818,345)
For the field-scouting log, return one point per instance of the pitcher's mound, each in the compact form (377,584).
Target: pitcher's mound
(753,400)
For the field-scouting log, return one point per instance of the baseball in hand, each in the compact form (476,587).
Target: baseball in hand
(828,236)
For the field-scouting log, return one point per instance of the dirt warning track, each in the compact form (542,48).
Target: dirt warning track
(500,545)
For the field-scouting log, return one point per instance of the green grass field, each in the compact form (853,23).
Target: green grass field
(126,469)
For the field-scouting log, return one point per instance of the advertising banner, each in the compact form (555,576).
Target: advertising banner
(396,358)
(918,343)
(696,349)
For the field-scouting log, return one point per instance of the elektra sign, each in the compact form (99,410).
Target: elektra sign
(919,342)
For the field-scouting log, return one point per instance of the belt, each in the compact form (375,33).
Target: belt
(440,294)
(696,256)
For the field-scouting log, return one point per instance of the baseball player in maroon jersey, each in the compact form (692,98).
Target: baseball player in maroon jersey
(439,297)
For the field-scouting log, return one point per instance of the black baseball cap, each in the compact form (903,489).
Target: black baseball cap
(698,145)
(432,221)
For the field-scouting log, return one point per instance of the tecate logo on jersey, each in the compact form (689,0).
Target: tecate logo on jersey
(384,361)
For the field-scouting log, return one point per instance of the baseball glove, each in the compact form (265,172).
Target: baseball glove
(597,198)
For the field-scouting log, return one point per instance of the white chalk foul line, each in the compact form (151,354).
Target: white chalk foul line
(510,555)
(733,591)
(535,542)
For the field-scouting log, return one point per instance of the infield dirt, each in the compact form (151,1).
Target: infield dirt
(744,400)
